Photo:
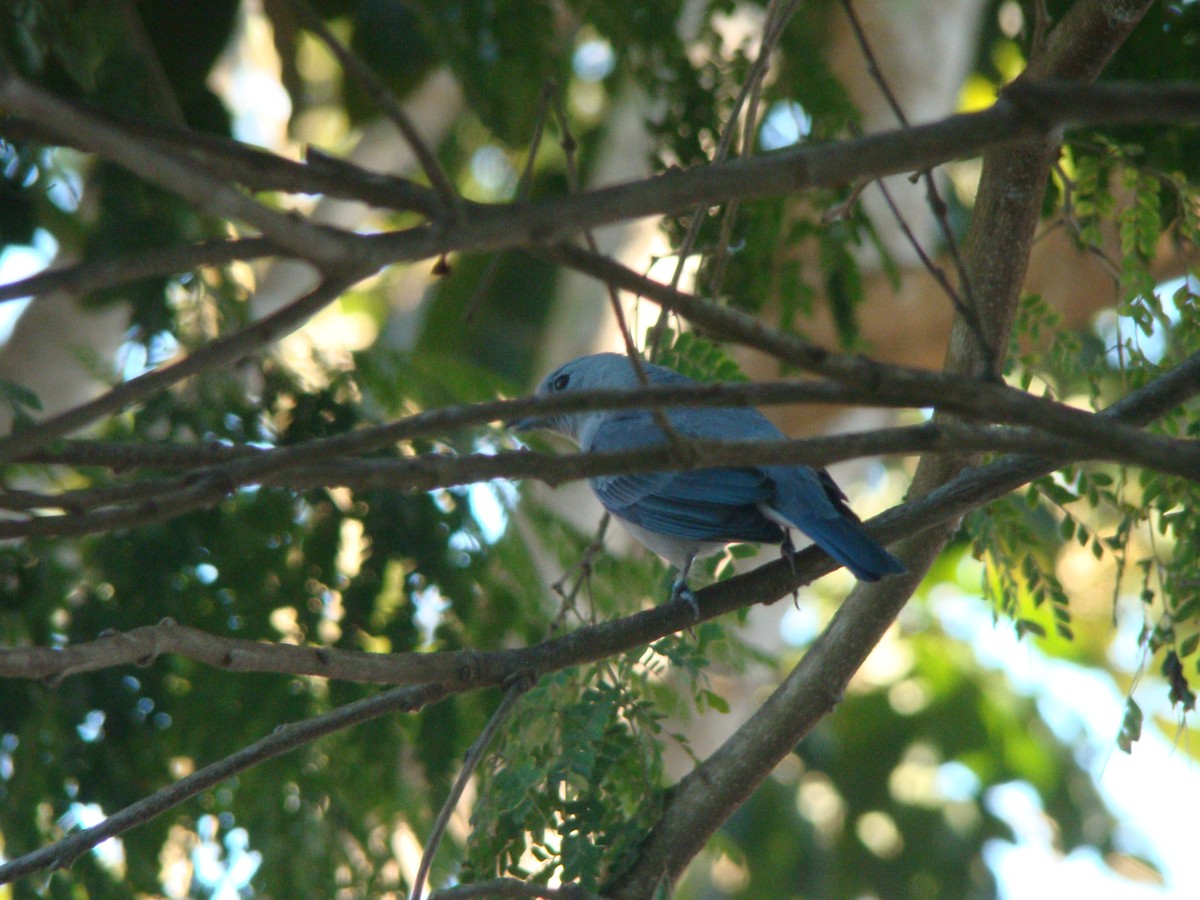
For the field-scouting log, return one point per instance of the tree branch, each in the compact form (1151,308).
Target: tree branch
(1057,429)
(1001,234)
(146,502)
(326,248)
(96,274)
(1022,113)
(467,669)
(221,352)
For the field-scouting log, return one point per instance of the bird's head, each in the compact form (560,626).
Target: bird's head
(600,371)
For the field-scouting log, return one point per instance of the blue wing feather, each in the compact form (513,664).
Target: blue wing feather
(705,505)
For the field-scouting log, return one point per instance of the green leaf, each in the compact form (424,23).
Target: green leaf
(19,396)
(716,701)
(1131,726)
(1188,645)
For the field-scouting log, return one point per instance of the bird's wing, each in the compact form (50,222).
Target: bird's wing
(702,505)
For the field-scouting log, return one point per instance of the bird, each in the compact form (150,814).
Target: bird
(685,515)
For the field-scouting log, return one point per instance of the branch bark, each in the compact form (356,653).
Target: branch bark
(144,502)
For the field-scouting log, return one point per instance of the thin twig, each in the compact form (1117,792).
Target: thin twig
(775,22)
(62,853)
(471,762)
(221,352)
(383,98)
(584,569)
(95,274)
(1111,267)
(967,308)
(931,267)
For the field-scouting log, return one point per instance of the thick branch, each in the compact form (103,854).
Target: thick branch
(1002,230)
(329,249)
(1024,112)
(1033,112)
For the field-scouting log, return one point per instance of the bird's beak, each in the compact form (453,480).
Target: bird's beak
(529,423)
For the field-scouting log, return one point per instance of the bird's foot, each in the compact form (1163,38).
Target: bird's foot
(681,593)
(788,551)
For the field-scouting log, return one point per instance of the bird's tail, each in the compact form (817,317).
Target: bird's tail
(847,541)
(811,501)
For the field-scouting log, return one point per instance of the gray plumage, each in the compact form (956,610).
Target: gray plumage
(683,515)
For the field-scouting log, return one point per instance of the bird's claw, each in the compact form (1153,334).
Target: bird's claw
(788,551)
(681,593)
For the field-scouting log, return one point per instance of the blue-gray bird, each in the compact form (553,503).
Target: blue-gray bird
(685,515)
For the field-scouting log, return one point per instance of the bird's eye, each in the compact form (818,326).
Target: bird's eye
(560,382)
